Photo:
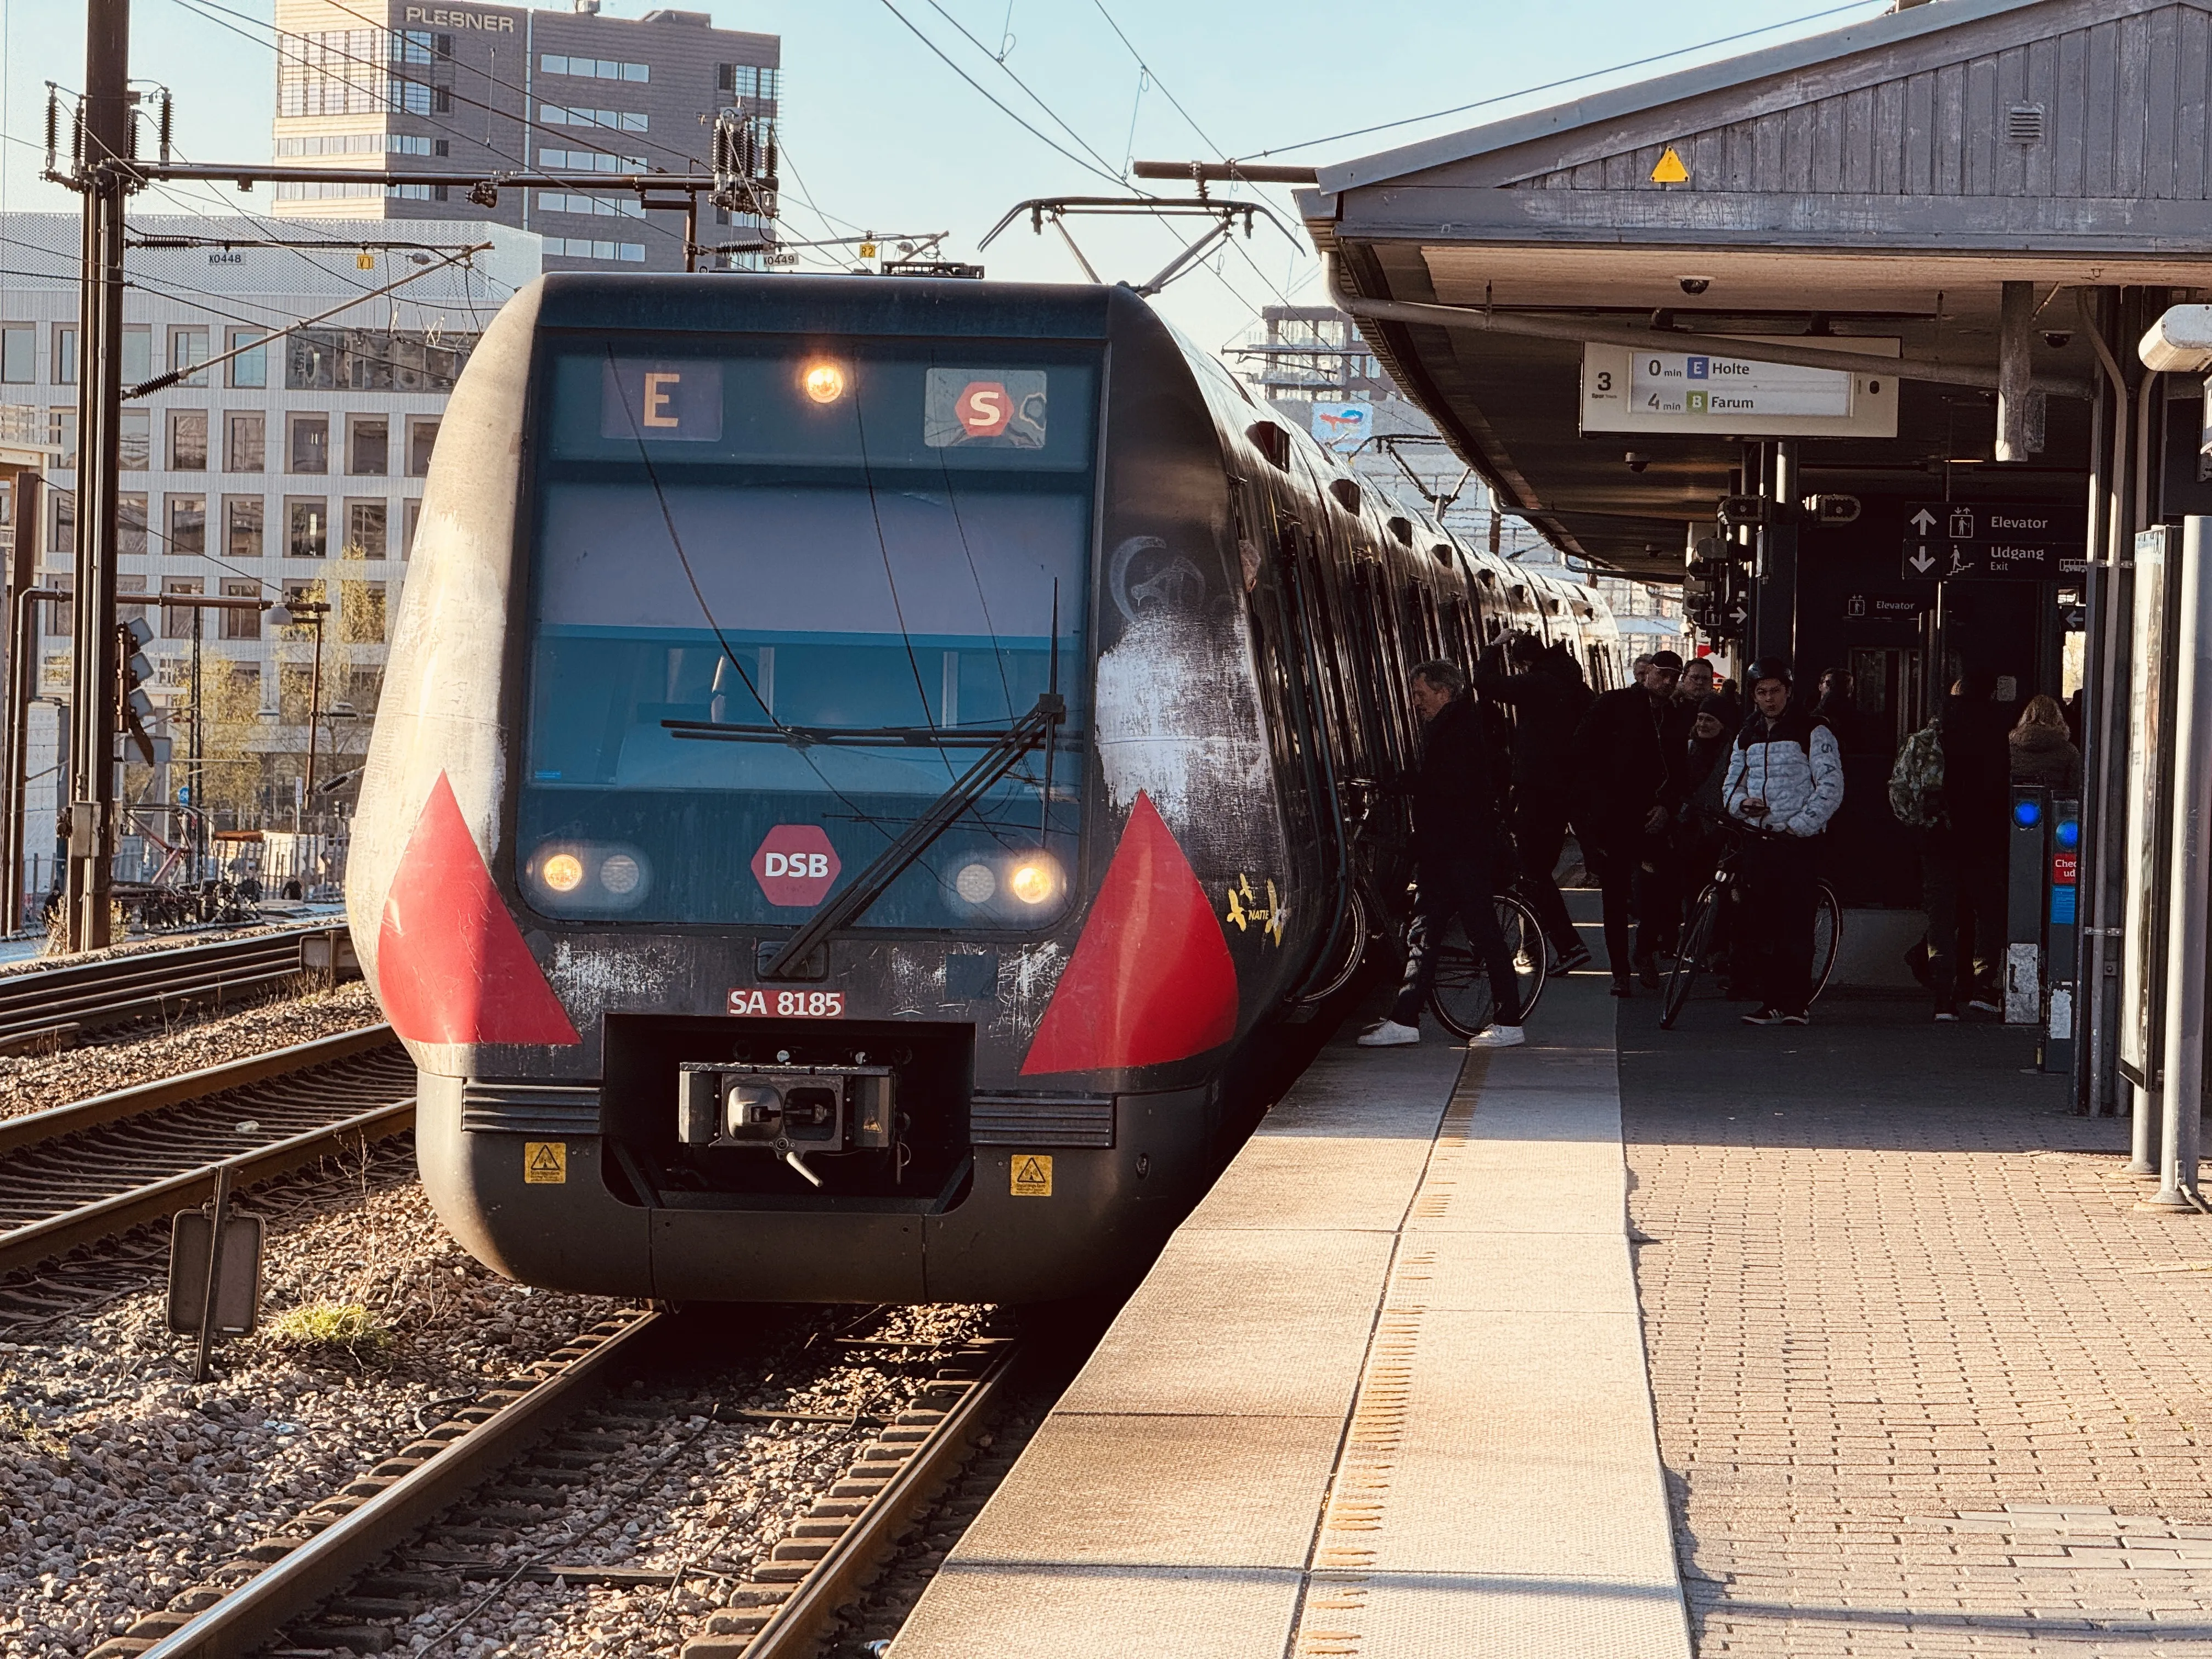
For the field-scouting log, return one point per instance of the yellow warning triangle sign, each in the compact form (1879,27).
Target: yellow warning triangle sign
(1670,170)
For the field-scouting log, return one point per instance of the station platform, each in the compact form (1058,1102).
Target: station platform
(1384,1394)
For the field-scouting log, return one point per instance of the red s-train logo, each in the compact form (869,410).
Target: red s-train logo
(983,408)
(796,865)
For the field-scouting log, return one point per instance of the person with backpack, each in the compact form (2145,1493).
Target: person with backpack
(1785,781)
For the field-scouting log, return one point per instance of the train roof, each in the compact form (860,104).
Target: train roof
(771,304)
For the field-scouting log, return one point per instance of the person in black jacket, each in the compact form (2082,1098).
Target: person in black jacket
(1962,860)
(1632,754)
(1458,852)
(1545,708)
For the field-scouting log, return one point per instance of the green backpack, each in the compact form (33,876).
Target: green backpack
(1915,782)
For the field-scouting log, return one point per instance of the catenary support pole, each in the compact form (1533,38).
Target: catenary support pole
(105,181)
(2189,890)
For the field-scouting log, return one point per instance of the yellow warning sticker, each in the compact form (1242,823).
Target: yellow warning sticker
(1032,1175)
(1670,170)
(545,1163)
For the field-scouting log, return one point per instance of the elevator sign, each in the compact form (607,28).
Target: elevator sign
(1657,389)
(1994,541)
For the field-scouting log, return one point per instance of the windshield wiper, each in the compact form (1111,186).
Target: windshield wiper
(875,737)
(1005,752)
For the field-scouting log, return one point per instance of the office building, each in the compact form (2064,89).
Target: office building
(422,87)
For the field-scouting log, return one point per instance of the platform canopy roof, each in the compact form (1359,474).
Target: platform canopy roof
(1879,180)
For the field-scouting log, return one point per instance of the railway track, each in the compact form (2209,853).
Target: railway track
(442,1528)
(102,1166)
(55,1004)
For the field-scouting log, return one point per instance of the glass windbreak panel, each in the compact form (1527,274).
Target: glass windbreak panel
(750,677)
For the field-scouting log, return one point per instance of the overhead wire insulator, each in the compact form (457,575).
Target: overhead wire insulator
(53,126)
(169,123)
(77,138)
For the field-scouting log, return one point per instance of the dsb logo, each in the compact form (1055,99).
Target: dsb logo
(796,865)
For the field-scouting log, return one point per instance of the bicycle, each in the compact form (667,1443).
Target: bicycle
(1697,950)
(1461,998)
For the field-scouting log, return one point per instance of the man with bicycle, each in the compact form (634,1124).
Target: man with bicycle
(1785,781)
(1459,858)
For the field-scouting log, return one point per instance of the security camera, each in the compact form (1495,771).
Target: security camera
(2058,338)
(1696,284)
(1637,460)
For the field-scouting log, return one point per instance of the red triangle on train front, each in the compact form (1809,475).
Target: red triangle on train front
(1151,980)
(451,965)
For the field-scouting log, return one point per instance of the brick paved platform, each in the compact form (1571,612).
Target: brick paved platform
(1925,1382)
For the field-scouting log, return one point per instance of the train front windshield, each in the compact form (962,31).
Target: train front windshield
(785,595)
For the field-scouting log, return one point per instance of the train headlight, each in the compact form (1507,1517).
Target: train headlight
(564,872)
(621,874)
(975,883)
(824,382)
(587,879)
(1035,879)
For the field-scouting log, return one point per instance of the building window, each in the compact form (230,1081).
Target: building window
(64,353)
(365,360)
(361,143)
(137,354)
(307,447)
(306,529)
(421,439)
(188,435)
(126,583)
(368,443)
(134,434)
(605,207)
(64,538)
(188,348)
(334,72)
(601,68)
(364,529)
(244,440)
(61,614)
(241,517)
(188,524)
(617,120)
(412,517)
(61,432)
(249,368)
(361,612)
(748,81)
(590,161)
(19,353)
(131,521)
(241,623)
(177,619)
(577,247)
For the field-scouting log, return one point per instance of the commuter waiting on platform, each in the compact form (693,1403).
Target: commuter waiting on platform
(1459,861)
(1630,756)
(1520,672)
(1962,849)
(2042,749)
(1785,781)
(1698,683)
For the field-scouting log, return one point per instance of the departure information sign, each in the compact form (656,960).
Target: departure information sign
(1662,389)
(1994,541)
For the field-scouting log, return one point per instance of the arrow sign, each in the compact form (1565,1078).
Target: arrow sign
(1923,522)
(1920,563)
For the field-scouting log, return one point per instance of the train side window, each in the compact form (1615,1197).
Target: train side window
(1272,441)
(1347,494)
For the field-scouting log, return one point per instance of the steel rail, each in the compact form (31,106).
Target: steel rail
(23,1246)
(49,1002)
(299,1582)
(795,1626)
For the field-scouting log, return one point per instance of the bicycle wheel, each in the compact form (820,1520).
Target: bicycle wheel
(1351,946)
(1461,997)
(1827,936)
(1690,960)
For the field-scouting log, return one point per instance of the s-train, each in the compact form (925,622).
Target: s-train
(862,775)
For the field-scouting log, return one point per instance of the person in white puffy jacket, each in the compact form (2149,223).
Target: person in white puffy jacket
(1785,781)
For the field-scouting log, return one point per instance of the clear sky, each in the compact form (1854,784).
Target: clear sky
(881,134)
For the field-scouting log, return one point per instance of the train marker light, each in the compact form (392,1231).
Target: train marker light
(2027,813)
(824,382)
(562,873)
(1033,880)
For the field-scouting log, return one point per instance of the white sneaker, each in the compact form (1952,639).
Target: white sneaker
(1497,1036)
(1389,1034)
